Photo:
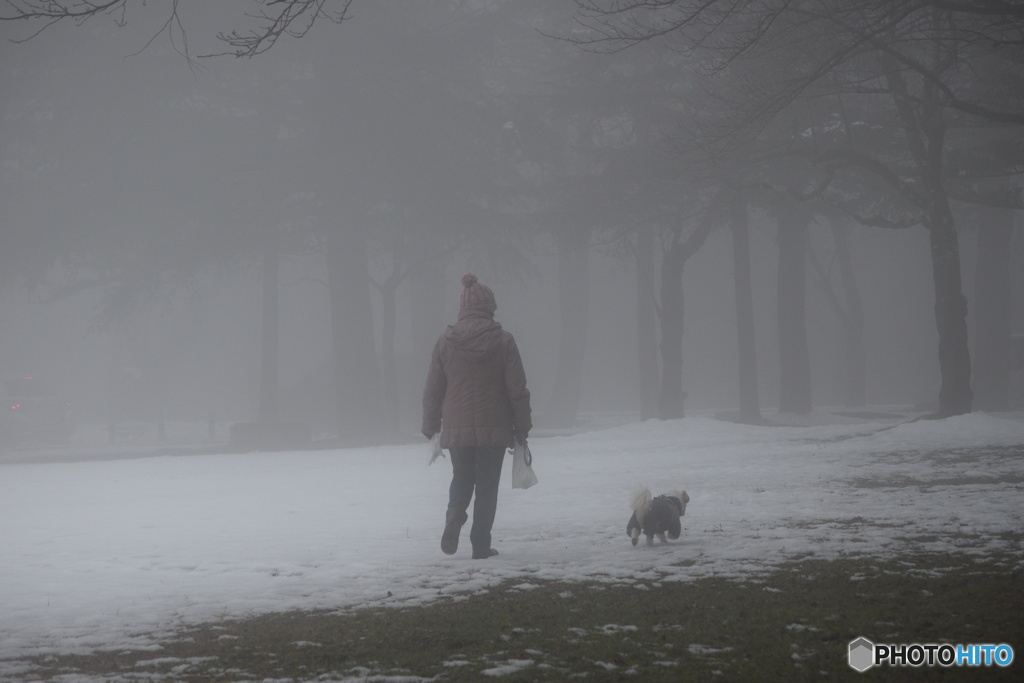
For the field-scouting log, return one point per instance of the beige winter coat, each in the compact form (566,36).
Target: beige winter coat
(476,391)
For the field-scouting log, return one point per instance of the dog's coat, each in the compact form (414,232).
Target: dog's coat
(656,516)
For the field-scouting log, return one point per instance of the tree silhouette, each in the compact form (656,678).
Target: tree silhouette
(932,68)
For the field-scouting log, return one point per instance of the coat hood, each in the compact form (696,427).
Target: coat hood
(476,336)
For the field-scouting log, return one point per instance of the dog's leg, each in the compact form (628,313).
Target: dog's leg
(650,539)
(661,537)
(635,536)
(675,526)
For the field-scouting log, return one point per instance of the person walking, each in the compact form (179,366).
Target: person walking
(476,397)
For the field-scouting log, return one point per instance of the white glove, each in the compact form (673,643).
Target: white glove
(435,449)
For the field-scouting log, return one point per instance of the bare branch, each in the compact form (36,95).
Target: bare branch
(1005,197)
(54,10)
(289,17)
(951,99)
(50,12)
(173,21)
(295,19)
(849,158)
(877,221)
(991,8)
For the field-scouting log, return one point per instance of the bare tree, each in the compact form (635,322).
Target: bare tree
(678,251)
(739,225)
(931,64)
(848,310)
(646,321)
(793,218)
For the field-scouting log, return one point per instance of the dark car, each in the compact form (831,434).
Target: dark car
(34,412)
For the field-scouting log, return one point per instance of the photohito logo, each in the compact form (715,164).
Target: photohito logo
(864,654)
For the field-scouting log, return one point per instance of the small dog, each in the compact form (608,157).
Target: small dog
(656,516)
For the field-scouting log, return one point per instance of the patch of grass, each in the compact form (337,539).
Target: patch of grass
(990,458)
(793,623)
(980,455)
(905,482)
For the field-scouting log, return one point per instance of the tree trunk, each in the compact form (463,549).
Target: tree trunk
(573,301)
(646,322)
(389,369)
(750,408)
(922,119)
(428,309)
(427,299)
(794,357)
(269,401)
(357,379)
(992,310)
(672,396)
(955,394)
(852,321)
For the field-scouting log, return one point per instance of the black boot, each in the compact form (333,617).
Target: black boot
(453,522)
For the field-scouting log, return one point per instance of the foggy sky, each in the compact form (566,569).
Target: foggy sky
(92,135)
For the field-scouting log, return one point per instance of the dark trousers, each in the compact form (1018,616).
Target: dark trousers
(479,468)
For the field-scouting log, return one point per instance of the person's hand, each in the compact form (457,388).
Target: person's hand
(435,449)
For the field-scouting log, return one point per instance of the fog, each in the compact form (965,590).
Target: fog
(137,190)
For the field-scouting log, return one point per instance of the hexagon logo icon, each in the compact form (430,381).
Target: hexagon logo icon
(862,654)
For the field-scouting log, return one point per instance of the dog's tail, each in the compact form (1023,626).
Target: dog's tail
(641,503)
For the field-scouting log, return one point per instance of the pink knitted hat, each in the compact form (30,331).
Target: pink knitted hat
(475,296)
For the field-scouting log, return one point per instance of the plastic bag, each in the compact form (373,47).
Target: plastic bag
(523,476)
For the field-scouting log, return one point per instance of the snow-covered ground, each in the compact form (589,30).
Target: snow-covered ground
(108,553)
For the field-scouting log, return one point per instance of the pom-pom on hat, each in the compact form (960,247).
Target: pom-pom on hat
(476,296)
